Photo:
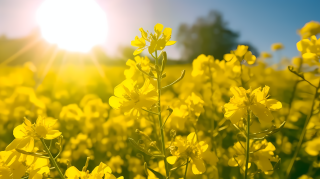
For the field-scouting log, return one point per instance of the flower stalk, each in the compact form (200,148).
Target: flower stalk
(248,144)
(185,172)
(159,75)
(53,161)
(303,133)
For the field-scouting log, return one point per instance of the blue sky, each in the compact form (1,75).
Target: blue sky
(259,22)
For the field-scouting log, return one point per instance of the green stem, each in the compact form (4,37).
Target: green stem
(159,117)
(248,145)
(52,159)
(213,108)
(185,172)
(303,133)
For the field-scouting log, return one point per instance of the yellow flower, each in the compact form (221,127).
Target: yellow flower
(309,48)
(239,54)
(71,112)
(98,173)
(190,149)
(129,98)
(133,72)
(261,153)
(26,133)
(115,163)
(195,104)
(140,43)
(38,168)
(277,46)
(305,177)
(309,29)
(201,65)
(11,169)
(255,100)
(313,147)
(265,55)
(157,41)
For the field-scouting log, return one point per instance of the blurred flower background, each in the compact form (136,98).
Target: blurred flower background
(64,60)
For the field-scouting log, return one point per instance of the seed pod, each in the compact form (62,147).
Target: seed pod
(164,60)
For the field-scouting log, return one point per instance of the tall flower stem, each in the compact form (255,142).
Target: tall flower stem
(248,144)
(159,75)
(303,133)
(53,161)
(213,108)
(185,172)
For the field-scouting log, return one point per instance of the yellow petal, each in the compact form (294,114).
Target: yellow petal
(264,163)
(73,173)
(167,33)
(158,28)
(203,146)
(232,162)
(198,166)
(138,42)
(138,51)
(115,102)
(192,138)
(309,56)
(49,121)
(238,115)
(273,104)
(152,47)
(144,34)
(172,159)
(229,57)
(52,134)
(241,50)
(250,58)
(170,43)
(20,131)
(262,112)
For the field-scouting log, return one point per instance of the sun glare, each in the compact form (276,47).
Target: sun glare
(74,25)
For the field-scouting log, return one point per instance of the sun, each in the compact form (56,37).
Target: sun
(74,25)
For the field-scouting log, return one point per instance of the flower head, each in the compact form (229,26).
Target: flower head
(190,149)
(265,55)
(257,101)
(261,153)
(277,46)
(157,41)
(26,133)
(98,172)
(309,29)
(133,73)
(129,98)
(239,54)
(309,48)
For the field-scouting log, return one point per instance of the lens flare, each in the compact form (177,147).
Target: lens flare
(74,25)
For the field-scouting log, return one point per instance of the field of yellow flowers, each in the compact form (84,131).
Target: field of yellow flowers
(237,117)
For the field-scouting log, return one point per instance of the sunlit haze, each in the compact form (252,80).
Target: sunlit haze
(74,25)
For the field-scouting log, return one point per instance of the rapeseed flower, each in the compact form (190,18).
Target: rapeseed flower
(98,173)
(241,53)
(26,133)
(256,101)
(309,29)
(133,73)
(190,149)
(265,55)
(157,41)
(277,46)
(261,154)
(309,48)
(313,147)
(130,99)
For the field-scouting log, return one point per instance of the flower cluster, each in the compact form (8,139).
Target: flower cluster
(145,120)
